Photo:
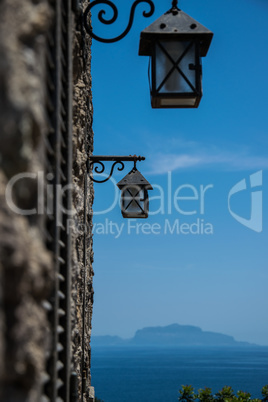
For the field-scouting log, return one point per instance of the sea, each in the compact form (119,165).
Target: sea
(156,375)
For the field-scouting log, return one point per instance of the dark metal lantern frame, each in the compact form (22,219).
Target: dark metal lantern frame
(175,43)
(134,195)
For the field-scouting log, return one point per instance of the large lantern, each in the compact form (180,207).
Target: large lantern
(175,43)
(134,195)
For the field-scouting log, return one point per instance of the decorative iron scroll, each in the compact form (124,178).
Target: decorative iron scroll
(99,170)
(110,21)
(117,160)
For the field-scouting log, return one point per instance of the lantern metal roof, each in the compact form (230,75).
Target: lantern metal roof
(134,178)
(175,25)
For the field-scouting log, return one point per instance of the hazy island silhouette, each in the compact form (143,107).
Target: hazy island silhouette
(174,335)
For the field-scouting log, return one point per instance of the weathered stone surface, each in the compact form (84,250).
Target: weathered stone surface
(82,147)
(26,268)
(22,28)
(26,276)
(25,264)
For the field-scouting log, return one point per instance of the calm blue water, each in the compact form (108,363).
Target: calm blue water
(156,375)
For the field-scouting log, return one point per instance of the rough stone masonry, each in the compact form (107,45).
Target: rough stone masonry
(26,265)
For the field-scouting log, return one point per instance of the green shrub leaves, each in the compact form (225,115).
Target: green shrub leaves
(187,394)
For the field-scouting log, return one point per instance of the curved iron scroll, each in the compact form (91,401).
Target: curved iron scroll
(99,159)
(100,169)
(114,17)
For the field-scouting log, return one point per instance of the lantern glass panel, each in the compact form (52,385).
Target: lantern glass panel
(172,66)
(134,201)
(132,198)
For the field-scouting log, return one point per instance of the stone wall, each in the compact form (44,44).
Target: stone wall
(82,237)
(26,265)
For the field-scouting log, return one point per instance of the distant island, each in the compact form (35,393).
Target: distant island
(173,335)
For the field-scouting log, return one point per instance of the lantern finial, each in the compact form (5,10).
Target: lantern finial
(175,4)
(174,9)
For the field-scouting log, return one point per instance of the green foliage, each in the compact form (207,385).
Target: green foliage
(205,395)
(226,394)
(187,394)
(243,396)
(265,393)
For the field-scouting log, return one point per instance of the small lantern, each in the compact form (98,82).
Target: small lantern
(175,42)
(134,195)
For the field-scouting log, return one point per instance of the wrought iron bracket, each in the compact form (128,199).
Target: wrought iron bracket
(111,20)
(118,160)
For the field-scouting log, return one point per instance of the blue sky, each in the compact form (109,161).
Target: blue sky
(216,280)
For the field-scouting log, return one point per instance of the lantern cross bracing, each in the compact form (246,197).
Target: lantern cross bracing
(134,195)
(174,77)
